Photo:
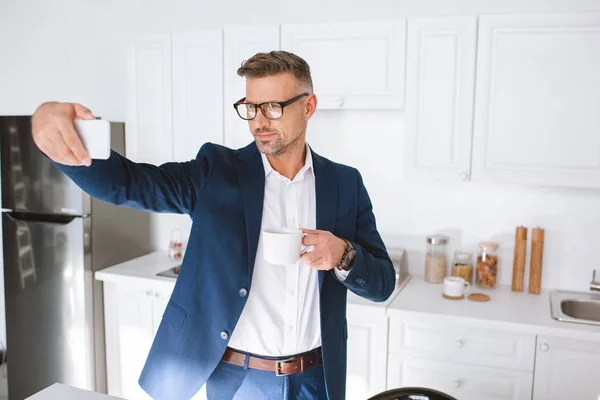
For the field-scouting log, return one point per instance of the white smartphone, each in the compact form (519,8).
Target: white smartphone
(95,136)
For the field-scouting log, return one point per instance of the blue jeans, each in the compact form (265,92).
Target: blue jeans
(229,381)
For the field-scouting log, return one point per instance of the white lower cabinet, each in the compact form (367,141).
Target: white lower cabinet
(566,369)
(367,352)
(465,382)
(132,314)
(129,332)
(469,360)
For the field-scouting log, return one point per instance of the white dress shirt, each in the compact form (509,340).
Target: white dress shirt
(281,315)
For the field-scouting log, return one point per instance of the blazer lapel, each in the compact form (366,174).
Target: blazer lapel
(251,174)
(326,198)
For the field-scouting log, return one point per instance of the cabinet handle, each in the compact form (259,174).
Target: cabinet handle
(544,347)
(464,176)
(157,295)
(340,102)
(148,292)
(459,344)
(457,383)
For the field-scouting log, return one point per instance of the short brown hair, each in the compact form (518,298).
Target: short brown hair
(276,62)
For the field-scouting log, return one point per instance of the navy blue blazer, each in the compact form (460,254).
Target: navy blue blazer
(222,191)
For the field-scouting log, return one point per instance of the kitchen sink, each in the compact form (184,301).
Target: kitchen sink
(171,272)
(583,308)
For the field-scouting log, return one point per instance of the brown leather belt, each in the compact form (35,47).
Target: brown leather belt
(280,367)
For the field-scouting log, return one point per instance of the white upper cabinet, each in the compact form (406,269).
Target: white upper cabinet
(241,43)
(537,117)
(149,118)
(197,91)
(356,65)
(440,78)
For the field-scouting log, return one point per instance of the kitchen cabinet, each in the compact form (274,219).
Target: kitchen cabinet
(440,79)
(462,381)
(467,360)
(358,65)
(240,43)
(175,96)
(367,352)
(135,299)
(537,97)
(132,315)
(566,369)
(197,91)
(470,344)
(149,107)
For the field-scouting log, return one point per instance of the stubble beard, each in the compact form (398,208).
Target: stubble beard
(277,147)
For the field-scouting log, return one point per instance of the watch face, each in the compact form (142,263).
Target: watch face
(349,259)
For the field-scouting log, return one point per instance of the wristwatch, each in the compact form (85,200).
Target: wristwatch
(347,258)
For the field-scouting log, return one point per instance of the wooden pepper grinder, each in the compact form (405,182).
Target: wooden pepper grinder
(535,272)
(518,275)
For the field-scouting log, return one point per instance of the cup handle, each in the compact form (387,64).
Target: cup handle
(467,287)
(303,248)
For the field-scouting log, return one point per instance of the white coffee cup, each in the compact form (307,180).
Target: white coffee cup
(282,246)
(455,286)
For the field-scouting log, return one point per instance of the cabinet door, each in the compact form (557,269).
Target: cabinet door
(367,353)
(197,92)
(439,97)
(240,44)
(159,304)
(462,381)
(566,369)
(129,334)
(356,65)
(149,120)
(467,343)
(537,97)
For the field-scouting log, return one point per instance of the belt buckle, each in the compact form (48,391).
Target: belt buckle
(280,362)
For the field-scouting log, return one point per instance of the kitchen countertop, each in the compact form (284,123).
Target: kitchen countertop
(65,392)
(143,270)
(506,309)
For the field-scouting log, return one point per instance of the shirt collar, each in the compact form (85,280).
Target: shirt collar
(308,164)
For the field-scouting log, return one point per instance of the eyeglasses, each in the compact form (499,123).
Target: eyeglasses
(270,109)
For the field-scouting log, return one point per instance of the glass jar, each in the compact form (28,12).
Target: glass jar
(435,259)
(176,245)
(462,265)
(487,265)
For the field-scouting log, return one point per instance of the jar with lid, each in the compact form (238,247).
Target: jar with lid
(435,259)
(462,265)
(487,264)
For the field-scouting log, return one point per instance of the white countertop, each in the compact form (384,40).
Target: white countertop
(143,270)
(65,392)
(506,309)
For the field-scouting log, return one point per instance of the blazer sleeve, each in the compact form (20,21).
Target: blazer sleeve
(372,275)
(172,187)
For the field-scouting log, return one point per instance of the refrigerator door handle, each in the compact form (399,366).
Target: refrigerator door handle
(60,219)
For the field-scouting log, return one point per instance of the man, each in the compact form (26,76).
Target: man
(242,326)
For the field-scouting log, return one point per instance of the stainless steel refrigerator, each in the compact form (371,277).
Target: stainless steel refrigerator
(54,238)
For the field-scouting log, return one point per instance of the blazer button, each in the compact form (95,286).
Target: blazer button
(243,292)
(224,335)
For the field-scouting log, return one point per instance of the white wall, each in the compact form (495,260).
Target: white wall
(72,50)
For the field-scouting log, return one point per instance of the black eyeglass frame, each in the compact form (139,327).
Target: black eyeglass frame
(281,104)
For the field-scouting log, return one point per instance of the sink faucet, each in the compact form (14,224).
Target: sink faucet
(593,284)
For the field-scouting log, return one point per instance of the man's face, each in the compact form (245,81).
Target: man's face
(273,137)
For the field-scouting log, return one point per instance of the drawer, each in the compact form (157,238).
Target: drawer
(470,344)
(464,382)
